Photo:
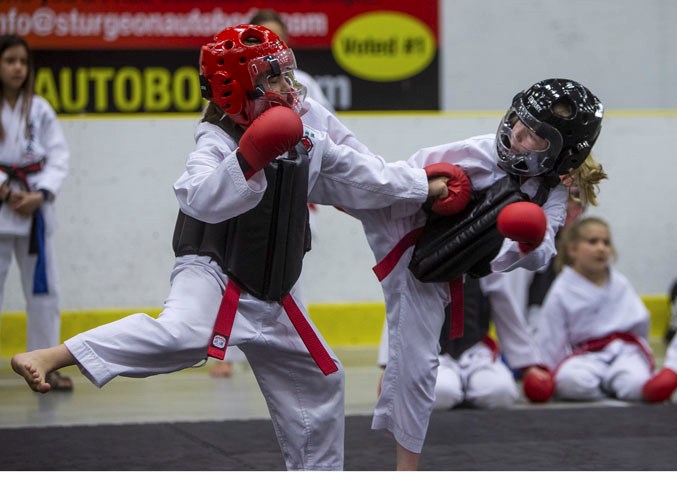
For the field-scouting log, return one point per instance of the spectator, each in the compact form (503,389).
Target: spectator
(33,166)
(593,333)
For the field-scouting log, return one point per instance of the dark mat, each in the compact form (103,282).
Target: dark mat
(640,437)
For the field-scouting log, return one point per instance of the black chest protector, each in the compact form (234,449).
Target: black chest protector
(261,250)
(465,243)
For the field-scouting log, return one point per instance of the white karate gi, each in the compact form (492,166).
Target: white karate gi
(479,376)
(415,310)
(314,90)
(46,140)
(507,294)
(671,355)
(306,407)
(577,311)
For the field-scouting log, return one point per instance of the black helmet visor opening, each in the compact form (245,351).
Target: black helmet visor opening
(529,163)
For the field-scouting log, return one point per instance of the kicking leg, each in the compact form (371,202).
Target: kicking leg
(34,366)
(406,460)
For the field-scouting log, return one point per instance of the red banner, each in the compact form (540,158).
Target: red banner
(140,56)
(171,24)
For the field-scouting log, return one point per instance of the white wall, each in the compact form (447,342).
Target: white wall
(623,50)
(117,209)
(638,199)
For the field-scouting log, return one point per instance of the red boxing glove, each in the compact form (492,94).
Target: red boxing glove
(458,184)
(524,222)
(274,132)
(539,388)
(661,386)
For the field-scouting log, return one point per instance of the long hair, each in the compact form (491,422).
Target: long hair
(589,174)
(587,178)
(28,86)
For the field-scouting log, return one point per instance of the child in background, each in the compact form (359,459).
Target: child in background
(33,166)
(593,333)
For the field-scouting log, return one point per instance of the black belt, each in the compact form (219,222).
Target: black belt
(36,242)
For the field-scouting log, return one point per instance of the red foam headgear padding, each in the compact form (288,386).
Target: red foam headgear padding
(224,67)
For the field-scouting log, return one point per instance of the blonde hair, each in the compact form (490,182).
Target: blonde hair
(570,235)
(588,175)
(587,178)
(214,115)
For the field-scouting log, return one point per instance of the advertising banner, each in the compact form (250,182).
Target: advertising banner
(141,56)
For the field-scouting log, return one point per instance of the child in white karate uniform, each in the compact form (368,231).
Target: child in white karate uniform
(33,166)
(251,137)
(547,133)
(471,370)
(593,332)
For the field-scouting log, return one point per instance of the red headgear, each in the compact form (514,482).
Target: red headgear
(235,68)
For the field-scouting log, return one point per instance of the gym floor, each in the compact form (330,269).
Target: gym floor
(189,407)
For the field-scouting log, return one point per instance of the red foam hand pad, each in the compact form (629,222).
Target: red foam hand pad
(524,222)
(539,388)
(661,387)
(458,185)
(274,132)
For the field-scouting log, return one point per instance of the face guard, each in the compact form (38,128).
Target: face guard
(274,83)
(564,113)
(530,163)
(241,72)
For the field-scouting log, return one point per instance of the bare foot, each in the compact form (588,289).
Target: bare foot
(28,365)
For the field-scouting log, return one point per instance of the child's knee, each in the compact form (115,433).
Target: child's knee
(627,385)
(448,389)
(492,389)
(503,396)
(447,397)
(577,384)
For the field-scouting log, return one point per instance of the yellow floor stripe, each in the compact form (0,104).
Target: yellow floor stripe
(342,324)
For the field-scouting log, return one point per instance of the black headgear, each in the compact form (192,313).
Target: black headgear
(571,130)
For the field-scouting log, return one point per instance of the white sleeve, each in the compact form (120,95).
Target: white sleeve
(318,117)
(508,312)
(213,188)
(551,332)
(313,89)
(671,355)
(510,257)
(348,178)
(51,137)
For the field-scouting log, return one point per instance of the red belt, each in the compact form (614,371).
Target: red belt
(17,172)
(595,345)
(491,344)
(384,267)
(226,316)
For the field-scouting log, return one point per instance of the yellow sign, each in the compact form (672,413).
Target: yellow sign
(125,89)
(384,46)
